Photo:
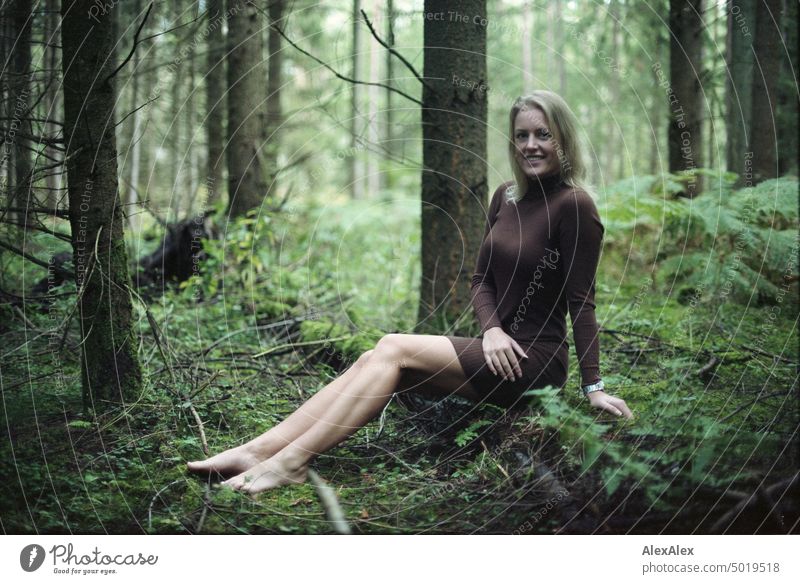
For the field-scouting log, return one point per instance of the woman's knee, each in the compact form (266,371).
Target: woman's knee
(392,348)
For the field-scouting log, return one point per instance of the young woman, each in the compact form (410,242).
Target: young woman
(537,262)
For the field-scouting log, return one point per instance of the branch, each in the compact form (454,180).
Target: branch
(329,502)
(63,213)
(343,77)
(37,261)
(135,44)
(393,51)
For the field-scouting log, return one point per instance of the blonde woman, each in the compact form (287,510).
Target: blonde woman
(537,262)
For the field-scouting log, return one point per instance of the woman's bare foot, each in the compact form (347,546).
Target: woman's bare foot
(267,475)
(227,464)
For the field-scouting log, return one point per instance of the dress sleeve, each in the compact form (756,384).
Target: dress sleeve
(581,237)
(484,290)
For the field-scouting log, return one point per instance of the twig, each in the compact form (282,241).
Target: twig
(330,503)
(135,44)
(751,402)
(59,270)
(344,77)
(731,515)
(300,344)
(153,501)
(393,51)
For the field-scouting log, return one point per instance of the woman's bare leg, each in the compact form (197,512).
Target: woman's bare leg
(361,401)
(240,458)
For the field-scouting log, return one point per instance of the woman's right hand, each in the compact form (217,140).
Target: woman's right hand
(502,354)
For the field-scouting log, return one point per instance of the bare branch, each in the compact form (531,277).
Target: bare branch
(344,77)
(393,51)
(135,44)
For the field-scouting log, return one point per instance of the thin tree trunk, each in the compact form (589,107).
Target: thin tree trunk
(215,102)
(788,106)
(19,103)
(110,364)
(454,187)
(767,47)
(388,131)
(274,83)
(527,47)
(373,168)
(686,62)
(355,180)
(246,80)
(52,101)
(738,96)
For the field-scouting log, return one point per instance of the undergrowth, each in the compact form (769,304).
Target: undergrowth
(699,337)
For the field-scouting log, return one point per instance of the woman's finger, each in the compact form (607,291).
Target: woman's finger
(506,366)
(488,360)
(514,360)
(518,349)
(620,403)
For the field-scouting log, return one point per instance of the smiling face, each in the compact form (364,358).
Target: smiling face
(536,149)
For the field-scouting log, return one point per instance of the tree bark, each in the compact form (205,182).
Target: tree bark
(741,28)
(356,167)
(788,104)
(215,102)
(274,83)
(19,105)
(111,372)
(454,187)
(685,133)
(767,47)
(246,81)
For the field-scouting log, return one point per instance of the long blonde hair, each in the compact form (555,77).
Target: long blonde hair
(564,127)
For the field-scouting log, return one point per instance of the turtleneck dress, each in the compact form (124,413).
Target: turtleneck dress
(537,261)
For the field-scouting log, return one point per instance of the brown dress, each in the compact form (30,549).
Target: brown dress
(538,260)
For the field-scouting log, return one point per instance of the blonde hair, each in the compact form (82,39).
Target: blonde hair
(564,127)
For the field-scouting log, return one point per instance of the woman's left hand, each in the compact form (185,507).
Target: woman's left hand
(609,403)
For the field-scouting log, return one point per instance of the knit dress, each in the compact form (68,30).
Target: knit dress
(537,261)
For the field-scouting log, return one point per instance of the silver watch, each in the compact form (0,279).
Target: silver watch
(598,386)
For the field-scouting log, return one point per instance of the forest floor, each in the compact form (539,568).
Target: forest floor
(713,386)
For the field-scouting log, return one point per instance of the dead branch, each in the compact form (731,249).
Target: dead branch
(344,77)
(330,503)
(393,51)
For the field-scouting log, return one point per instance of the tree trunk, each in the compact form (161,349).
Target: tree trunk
(51,101)
(388,132)
(738,98)
(788,105)
(374,182)
(767,47)
(215,102)
(685,73)
(274,83)
(527,47)
(246,81)
(356,165)
(19,103)
(454,188)
(111,372)
(134,211)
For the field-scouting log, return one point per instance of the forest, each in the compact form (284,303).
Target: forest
(211,209)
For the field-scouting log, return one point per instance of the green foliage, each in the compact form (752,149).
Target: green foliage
(727,244)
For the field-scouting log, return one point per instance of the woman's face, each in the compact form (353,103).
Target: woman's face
(536,149)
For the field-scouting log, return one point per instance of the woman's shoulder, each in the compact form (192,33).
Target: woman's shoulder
(578,199)
(504,193)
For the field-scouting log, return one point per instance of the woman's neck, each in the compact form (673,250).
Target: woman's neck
(544,185)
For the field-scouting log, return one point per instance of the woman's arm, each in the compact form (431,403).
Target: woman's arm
(484,291)
(581,237)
